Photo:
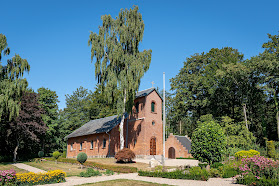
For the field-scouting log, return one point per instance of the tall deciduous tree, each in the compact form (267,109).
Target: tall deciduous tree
(29,123)
(119,63)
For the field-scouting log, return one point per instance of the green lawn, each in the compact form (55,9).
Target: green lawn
(71,170)
(7,166)
(121,182)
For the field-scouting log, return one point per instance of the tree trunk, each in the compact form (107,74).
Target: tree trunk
(245,116)
(122,124)
(277,117)
(15,150)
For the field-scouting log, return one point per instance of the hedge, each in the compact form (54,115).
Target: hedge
(251,180)
(121,169)
(195,174)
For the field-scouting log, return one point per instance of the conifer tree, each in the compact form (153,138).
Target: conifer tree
(119,64)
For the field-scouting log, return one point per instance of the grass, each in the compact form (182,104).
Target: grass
(7,166)
(121,182)
(71,170)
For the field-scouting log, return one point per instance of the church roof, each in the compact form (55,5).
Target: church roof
(96,126)
(146,92)
(185,141)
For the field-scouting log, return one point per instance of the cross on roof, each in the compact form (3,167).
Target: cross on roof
(152,83)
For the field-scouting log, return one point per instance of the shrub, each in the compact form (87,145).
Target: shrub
(7,177)
(203,165)
(252,180)
(270,148)
(64,154)
(208,142)
(125,155)
(229,172)
(40,154)
(216,165)
(109,172)
(56,154)
(90,172)
(81,157)
(31,178)
(215,173)
(246,154)
(194,173)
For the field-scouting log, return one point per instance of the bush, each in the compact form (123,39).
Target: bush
(7,177)
(125,155)
(56,154)
(90,172)
(270,148)
(194,173)
(56,176)
(203,165)
(109,172)
(246,154)
(121,169)
(215,173)
(41,154)
(216,165)
(229,172)
(64,154)
(208,142)
(81,157)
(252,180)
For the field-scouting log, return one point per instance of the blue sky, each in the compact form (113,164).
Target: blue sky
(53,35)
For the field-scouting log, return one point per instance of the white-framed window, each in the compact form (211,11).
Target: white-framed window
(72,147)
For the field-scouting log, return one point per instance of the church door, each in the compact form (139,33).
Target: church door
(171,153)
(153,146)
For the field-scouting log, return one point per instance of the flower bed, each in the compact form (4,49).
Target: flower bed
(7,177)
(258,169)
(121,169)
(56,176)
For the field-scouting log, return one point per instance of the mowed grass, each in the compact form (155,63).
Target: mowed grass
(8,166)
(121,182)
(112,161)
(71,170)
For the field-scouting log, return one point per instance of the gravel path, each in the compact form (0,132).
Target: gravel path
(134,176)
(28,168)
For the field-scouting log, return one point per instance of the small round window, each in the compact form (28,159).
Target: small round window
(153,122)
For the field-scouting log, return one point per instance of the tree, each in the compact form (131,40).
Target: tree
(49,102)
(29,124)
(119,64)
(208,142)
(12,86)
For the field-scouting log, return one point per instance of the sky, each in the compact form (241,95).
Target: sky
(53,35)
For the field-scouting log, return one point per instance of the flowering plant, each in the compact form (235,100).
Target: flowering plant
(7,177)
(259,167)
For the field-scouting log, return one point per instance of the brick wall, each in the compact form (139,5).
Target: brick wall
(180,150)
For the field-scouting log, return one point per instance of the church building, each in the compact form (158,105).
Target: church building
(143,131)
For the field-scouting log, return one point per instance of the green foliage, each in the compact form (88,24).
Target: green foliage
(208,142)
(41,154)
(229,172)
(119,64)
(194,173)
(64,154)
(246,154)
(109,172)
(215,173)
(252,180)
(90,172)
(81,157)
(56,154)
(270,147)
(121,169)
(216,165)
(203,165)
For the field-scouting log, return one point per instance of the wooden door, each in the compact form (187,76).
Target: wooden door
(153,146)
(171,153)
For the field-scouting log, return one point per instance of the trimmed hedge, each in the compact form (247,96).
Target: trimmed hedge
(195,173)
(121,169)
(246,154)
(251,180)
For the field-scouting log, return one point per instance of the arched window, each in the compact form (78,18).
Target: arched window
(137,107)
(152,106)
(104,143)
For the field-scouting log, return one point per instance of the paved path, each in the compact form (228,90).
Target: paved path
(134,176)
(28,168)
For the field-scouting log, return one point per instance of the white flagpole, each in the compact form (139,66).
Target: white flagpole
(164,118)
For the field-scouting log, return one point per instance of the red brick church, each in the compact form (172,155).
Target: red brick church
(143,131)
